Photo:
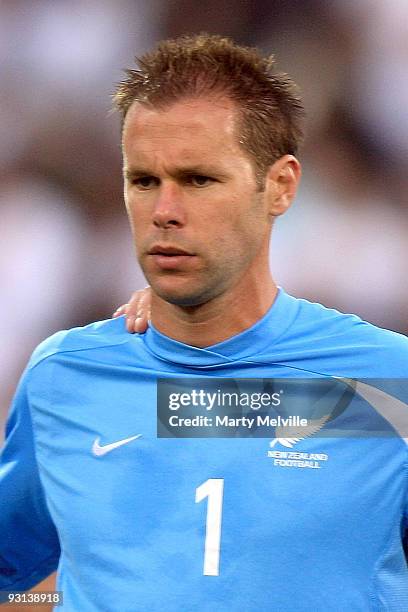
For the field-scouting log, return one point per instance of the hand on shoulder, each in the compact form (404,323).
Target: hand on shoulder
(137,311)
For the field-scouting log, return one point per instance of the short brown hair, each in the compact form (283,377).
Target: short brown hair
(271,111)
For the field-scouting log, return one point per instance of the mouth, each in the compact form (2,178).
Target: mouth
(169,257)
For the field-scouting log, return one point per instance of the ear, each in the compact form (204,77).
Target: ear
(281,184)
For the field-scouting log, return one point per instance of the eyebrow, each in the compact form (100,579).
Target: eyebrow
(133,172)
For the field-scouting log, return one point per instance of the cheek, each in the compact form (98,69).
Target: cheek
(249,223)
(234,227)
(251,234)
(138,214)
(132,221)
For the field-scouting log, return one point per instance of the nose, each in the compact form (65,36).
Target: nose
(169,211)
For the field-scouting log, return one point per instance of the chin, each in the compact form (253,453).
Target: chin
(182,296)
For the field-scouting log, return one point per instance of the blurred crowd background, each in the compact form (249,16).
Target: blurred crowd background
(66,255)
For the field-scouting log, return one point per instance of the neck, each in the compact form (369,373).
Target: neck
(219,319)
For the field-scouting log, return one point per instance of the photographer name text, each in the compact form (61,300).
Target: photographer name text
(245,421)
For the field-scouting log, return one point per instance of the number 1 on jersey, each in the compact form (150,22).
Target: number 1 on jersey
(212,488)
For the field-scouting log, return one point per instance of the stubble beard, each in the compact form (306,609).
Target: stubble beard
(191,294)
(196,291)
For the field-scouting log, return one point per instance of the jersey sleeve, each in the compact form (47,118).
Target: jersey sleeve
(29,545)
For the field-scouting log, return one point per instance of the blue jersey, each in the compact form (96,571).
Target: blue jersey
(137,522)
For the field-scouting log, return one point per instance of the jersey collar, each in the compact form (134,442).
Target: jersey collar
(264,333)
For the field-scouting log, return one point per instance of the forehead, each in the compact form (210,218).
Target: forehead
(189,128)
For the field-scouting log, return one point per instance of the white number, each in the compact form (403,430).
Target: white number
(213,489)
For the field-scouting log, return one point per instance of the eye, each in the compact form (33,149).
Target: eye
(199,180)
(145,183)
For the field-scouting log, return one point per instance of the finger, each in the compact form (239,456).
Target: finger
(140,324)
(144,313)
(134,304)
(130,323)
(139,303)
(120,311)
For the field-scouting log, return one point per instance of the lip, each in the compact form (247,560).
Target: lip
(168,250)
(169,257)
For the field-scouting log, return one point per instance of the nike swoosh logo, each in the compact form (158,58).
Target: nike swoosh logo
(99,450)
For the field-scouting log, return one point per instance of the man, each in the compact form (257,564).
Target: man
(138,519)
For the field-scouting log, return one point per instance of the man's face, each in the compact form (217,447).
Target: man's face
(199,223)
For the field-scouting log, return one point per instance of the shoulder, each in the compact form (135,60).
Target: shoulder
(336,323)
(98,335)
(351,341)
